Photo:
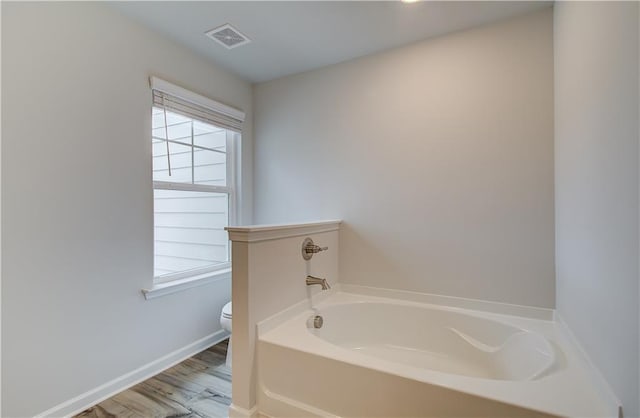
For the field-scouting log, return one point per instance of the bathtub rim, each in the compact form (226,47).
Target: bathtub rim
(454,303)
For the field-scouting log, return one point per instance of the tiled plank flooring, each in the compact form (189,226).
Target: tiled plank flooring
(199,387)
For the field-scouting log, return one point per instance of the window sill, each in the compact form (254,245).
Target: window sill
(163,289)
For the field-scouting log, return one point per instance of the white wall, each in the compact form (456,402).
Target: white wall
(77,226)
(596,134)
(0,218)
(438,156)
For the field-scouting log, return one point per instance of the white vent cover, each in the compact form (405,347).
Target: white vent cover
(228,36)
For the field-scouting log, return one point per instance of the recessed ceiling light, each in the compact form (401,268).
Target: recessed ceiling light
(409,1)
(228,36)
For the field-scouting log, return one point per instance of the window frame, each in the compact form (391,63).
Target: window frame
(232,152)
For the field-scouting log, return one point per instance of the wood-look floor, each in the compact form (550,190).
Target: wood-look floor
(199,387)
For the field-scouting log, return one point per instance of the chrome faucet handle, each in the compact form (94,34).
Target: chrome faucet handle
(314,249)
(309,249)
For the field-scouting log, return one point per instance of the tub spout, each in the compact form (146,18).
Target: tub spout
(311,280)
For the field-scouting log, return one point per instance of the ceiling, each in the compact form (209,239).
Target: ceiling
(293,36)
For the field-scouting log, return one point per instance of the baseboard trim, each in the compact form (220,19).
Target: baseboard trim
(238,412)
(102,392)
(283,406)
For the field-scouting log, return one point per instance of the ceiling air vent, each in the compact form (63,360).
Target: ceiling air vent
(228,36)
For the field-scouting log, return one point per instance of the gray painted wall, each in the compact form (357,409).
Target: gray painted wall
(77,224)
(438,156)
(596,134)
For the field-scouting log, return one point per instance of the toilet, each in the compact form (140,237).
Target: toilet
(225,323)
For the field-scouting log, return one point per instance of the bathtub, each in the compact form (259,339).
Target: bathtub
(444,341)
(391,357)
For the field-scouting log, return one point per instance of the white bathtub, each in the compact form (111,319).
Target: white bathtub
(436,339)
(381,357)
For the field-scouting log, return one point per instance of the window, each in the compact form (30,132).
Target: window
(194,181)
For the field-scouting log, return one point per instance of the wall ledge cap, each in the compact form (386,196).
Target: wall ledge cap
(257,233)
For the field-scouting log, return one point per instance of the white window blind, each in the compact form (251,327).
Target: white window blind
(193,142)
(191,104)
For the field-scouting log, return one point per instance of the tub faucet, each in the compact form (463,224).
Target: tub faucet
(311,280)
